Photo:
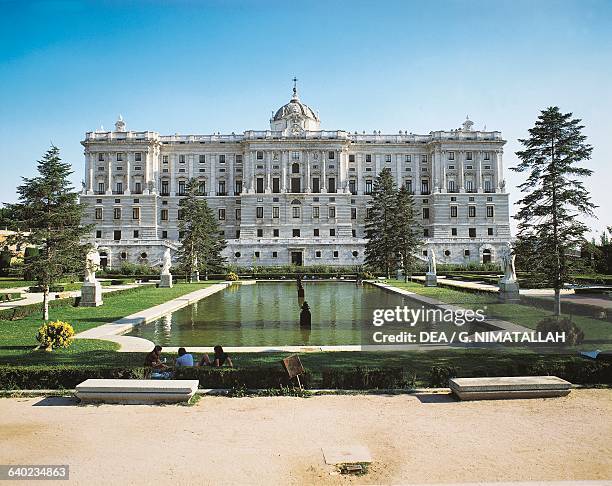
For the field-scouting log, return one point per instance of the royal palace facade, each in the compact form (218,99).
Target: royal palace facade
(293,193)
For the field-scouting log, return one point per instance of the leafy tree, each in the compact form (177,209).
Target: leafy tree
(554,200)
(50,213)
(381,249)
(407,232)
(201,243)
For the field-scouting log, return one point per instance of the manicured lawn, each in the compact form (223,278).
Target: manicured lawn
(10,283)
(598,333)
(18,338)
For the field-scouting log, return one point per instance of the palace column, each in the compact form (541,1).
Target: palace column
(268,188)
(308,155)
(213,174)
(377,164)
(323,174)
(284,157)
(109,179)
(230,174)
(398,170)
(359,157)
(148,169)
(479,171)
(90,172)
(461,171)
(416,174)
(172,164)
(128,173)
(498,170)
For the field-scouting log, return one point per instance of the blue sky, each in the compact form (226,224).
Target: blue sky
(67,67)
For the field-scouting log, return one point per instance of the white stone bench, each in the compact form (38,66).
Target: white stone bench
(136,391)
(497,388)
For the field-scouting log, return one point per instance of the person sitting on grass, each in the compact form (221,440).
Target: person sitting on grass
(219,359)
(185,359)
(153,363)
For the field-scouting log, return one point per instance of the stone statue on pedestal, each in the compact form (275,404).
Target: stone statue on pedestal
(508,283)
(165,278)
(91,290)
(431,277)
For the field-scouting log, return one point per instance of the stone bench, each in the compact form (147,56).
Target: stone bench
(136,391)
(509,387)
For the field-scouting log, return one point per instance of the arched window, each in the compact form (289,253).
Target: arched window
(296,201)
(295,168)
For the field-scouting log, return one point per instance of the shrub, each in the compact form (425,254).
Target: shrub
(56,334)
(232,277)
(439,375)
(573,334)
(369,276)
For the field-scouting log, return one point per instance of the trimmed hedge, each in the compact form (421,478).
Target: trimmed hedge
(575,370)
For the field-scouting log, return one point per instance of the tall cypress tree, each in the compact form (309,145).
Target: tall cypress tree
(554,200)
(201,242)
(381,250)
(407,232)
(48,215)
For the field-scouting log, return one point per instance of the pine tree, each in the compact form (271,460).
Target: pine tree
(48,215)
(407,232)
(554,198)
(201,243)
(381,250)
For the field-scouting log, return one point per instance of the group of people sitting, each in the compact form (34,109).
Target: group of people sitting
(157,368)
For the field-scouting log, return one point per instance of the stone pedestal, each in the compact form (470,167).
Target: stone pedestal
(431,280)
(508,291)
(165,281)
(91,294)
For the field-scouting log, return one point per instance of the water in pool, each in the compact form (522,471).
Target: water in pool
(267,314)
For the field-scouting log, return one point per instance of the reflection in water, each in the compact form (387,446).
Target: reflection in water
(268,314)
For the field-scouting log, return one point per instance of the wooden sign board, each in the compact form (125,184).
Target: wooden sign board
(293,366)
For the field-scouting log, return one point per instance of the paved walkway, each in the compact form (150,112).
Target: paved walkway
(502,325)
(113,331)
(567,295)
(37,297)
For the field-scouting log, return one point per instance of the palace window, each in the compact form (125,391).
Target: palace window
(351,158)
(100,157)
(332,231)
(295,168)
(353,186)
(164,215)
(275,185)
(353,213)
(296,233)
(490,231)
(98,233)
(238,188)
(180,214)
(368,157)
(119,156)
(202,158)
(100,187)
(295,155)
(239,158)
(424,158)
(238,213)
(135,213)
(259,185)
(451,156)
(221,214)
(407,158)
(368,186)
(202,188)
(453,231)
(165,159)
(222,159)
(138,157)
(295,211)
(259,212)
(181,188)
(259,155)
(181,159)
(487,156)
(472,211)
(221,189)
(472,232)
(98,214)
(388,158)
(116,213)
(315,212)
(332,212)
(468,155)
(453,211)
(490,211)
(259,233)
(315,232)
(275,232)
(451,186)
(164,234)
(425,213)
(275,212)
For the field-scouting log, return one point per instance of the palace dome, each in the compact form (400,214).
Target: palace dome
(295,106)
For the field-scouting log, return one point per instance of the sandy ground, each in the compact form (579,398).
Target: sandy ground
(278,441)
